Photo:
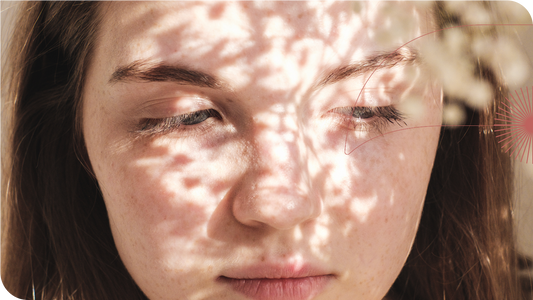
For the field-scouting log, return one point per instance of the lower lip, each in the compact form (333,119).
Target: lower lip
(281,288)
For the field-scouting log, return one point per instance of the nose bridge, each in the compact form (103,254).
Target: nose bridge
(277,191)
(278,152)
(276,147)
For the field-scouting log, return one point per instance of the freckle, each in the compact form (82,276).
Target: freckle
(262,258)
(386,220)
(300,16)
(216,11)
(191,182)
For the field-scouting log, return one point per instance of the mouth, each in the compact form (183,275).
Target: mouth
(275,283)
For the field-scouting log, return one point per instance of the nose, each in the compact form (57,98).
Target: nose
(277,191)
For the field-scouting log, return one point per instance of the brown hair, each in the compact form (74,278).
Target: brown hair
(56,240)
(465,244)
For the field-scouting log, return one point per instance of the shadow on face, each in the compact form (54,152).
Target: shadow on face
(234,137)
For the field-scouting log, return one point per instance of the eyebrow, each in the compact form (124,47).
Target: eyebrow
(146,70)
(372,63)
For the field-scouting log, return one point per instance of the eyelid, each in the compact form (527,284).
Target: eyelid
(362,111)
(335,96)
(173,106)
(160,126)
(382,116)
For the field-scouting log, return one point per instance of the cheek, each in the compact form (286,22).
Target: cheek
(390,171)
(375,195)
(378,187)
(164,184)
(160,200)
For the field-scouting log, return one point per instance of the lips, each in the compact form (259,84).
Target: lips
(287,282)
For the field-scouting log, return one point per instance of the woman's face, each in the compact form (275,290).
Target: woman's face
(227,140)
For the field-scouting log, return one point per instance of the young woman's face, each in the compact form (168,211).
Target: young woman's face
(222,136)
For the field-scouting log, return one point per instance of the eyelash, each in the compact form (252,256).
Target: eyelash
(351,117)
(153,127)
(362,118)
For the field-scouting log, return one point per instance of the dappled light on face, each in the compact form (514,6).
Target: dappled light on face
(362,207)
(400,23)
(453,58)
(239,118)
(320,242)
(408,88)
(401,156)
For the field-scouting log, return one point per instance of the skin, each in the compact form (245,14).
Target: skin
(270,181)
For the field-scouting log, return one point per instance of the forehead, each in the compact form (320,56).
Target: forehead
(250,40)
(192,30)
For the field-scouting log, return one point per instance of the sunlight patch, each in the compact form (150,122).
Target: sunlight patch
(361,208)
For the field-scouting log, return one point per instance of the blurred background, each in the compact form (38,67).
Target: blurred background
(523,174)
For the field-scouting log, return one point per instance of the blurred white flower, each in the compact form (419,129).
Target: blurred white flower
(475,13)
(482,46)
(510,59)
(512,12)
(452,58)
(455,7)
(398,24)
(411,73)
(455,40)
(412,107)
(453,68)
(479,94)
(453,114)
(357,6)
(423,5)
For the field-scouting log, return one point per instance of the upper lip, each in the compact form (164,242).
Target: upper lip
(275,271)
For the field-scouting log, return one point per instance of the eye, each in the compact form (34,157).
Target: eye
(181,122)
(368,118)
(358,112)
(198,117)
